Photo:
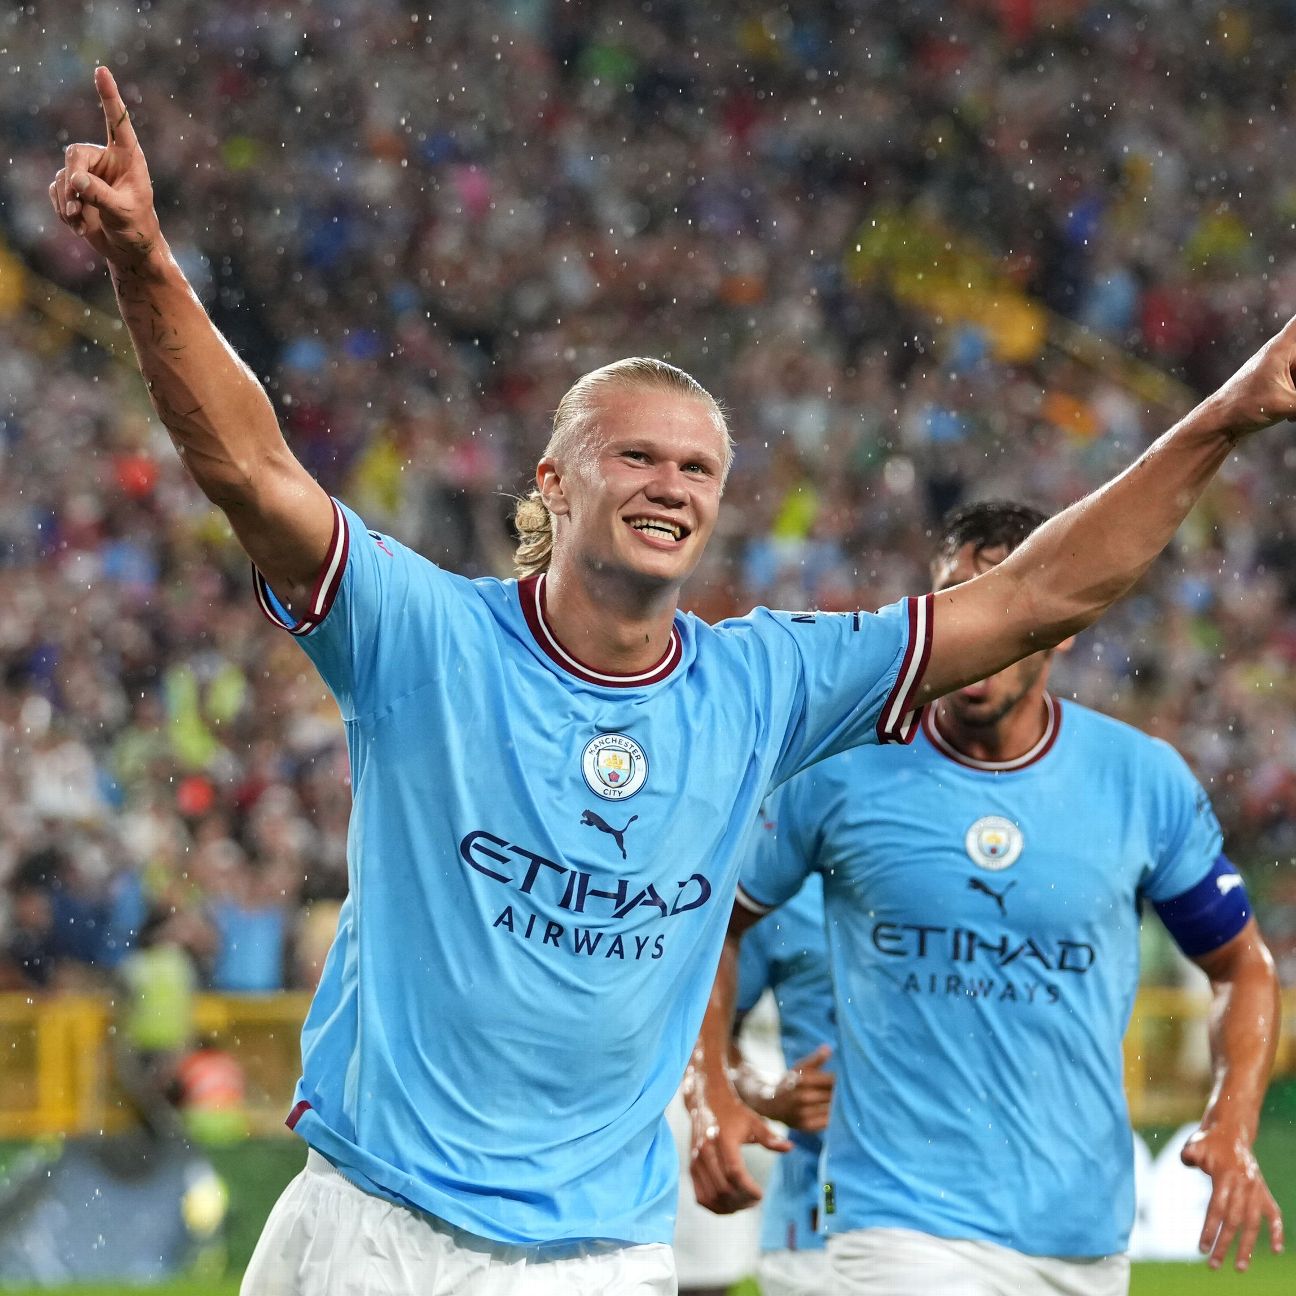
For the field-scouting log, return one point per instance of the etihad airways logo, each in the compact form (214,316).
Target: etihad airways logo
(962,945)
(1026,970)
(550,884)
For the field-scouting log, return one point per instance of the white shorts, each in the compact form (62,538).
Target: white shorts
(326,1237)
(794,1273)
(900,1262)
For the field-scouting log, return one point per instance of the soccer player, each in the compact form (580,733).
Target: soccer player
(983,890)
(788,954)
(552,779)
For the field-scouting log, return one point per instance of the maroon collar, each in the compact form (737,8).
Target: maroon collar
(1041,749)
(531,593)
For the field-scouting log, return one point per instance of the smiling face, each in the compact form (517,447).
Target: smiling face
(983,705)
(639,496)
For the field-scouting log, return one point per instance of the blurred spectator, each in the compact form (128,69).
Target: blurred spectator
(58,931)
(155,1018)
(211,1093)
(251,917)
(29,957)
(850,221)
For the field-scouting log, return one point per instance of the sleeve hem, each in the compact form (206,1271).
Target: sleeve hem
(899,719)
(323,592)
(751,904)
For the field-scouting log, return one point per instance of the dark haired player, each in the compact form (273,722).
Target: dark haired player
(982,891)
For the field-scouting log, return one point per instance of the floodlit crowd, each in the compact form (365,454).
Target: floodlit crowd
(419,223)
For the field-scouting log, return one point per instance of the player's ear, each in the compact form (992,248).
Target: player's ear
(549,482)
(1065,645)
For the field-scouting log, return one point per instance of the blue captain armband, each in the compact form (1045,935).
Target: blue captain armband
(1210,914)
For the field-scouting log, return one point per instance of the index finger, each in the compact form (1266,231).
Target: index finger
(117,120)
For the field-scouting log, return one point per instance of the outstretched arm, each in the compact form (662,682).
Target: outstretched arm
(1081,561)
(219,417)
(1245,1014)
(721,1122)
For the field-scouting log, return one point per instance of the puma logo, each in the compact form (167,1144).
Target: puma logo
(592,820)
(976,884)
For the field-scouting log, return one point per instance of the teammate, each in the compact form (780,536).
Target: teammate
(788,954)
(516,985)
(982,891)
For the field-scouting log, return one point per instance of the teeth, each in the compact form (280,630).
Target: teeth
(657,528)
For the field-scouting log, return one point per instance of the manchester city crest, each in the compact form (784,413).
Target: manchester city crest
(993,843)
(614,766)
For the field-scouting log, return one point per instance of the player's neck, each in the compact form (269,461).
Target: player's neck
(1011,736)
(608,625)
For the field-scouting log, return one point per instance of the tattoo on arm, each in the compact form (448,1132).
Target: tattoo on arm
(167,412)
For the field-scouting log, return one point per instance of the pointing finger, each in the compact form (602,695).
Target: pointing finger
(117,120)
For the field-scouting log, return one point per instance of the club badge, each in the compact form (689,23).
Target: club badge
(993,843)
(615,767)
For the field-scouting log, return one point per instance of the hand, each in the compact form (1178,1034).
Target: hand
(720,1179)
(104,194)
(1263,391)
(1240,1198)
(800,1097)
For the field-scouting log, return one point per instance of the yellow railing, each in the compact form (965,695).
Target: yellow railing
(56,1058)
(1167,1056)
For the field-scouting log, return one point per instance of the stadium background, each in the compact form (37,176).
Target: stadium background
(923,252)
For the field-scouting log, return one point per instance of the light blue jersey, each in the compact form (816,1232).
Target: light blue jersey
(786,952)
(983,937)
(541,861)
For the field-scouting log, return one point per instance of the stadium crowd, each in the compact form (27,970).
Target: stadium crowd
(418,227)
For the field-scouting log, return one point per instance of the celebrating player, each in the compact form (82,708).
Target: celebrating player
(982,890)
(552,780)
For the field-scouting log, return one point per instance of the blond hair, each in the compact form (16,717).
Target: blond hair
(574,421)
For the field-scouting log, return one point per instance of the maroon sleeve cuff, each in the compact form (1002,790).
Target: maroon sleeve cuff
(323,592)
(900,719)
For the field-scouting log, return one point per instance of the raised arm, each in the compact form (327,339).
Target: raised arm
(220,419)
(1245,1016)
(721,1122)
(1081,561)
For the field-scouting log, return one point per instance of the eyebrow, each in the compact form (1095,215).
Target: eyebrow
(646,443)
